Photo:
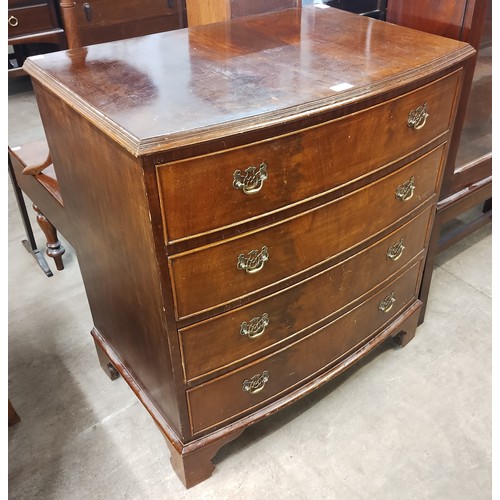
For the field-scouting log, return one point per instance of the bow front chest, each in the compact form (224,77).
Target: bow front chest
(250,207)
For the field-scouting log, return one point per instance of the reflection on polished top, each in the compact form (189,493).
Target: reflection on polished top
(159,91)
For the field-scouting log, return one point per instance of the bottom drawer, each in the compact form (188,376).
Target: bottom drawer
(231,395)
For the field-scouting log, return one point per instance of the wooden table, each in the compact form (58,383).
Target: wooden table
(250,210)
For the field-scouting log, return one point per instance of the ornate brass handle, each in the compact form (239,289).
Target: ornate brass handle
(253,261)
(13,21)
(252,180)
(418,117)
(385,305)
(255,327)
(395,251)
(405,191)
(256,383)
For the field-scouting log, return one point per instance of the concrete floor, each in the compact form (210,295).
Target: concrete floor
(411,423)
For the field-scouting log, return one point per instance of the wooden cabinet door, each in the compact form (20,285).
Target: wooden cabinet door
(433,16)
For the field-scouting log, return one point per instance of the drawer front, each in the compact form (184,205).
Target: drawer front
(98,12)
(227,397)
(202,194)
(234,268)
(230,337)
(26,20)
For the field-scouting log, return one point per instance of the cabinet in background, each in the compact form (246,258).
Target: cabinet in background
(107,20)
(34,27)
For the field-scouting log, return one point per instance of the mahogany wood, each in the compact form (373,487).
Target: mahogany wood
(146,121)
(42,188)
(290,366)
(470,159)
(107,20)
(206,12)
(226,88)
(31,19)
(297,244)
(112,230)
(196,466)
(213,344)
(201,12)
(54,247)
(433,16)
(345,157)
(69,17)
(29,243)
(105,362)
(32,22)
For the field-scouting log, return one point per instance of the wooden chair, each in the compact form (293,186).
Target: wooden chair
(38,181)
(201,12)
(32,172)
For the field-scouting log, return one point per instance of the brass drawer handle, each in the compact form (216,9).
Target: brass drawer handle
(13,21)
(418,117)
(385,305)
(405,191)
(254,261)
(256,383)
(255,327)
(252,180)
(395,251)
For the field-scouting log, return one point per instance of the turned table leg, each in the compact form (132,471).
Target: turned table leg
(54,247)
(194,465)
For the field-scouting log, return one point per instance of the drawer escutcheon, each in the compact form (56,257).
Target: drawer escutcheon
(418,117)
(256,383)
(395,251)
(405,191)
(253,261)
(252,180)
(385,305)
(13,21)
(255,327)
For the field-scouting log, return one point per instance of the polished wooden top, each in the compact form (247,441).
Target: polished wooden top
(173,89)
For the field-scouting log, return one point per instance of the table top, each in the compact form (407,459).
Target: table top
(167,90)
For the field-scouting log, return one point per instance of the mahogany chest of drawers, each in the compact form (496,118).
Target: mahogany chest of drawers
(250,213)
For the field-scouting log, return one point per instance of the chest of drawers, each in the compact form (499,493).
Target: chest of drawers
(251,215)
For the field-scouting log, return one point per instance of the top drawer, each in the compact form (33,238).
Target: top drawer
(202,194)
(26,20)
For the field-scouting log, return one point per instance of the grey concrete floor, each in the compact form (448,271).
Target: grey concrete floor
(412,423)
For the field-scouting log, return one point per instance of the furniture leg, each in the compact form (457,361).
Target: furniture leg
(30,243)
(407,330)
(13,416)
(54,246)
(488,205)
(403,337)
(429,264)
(194,464)
(106,363)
